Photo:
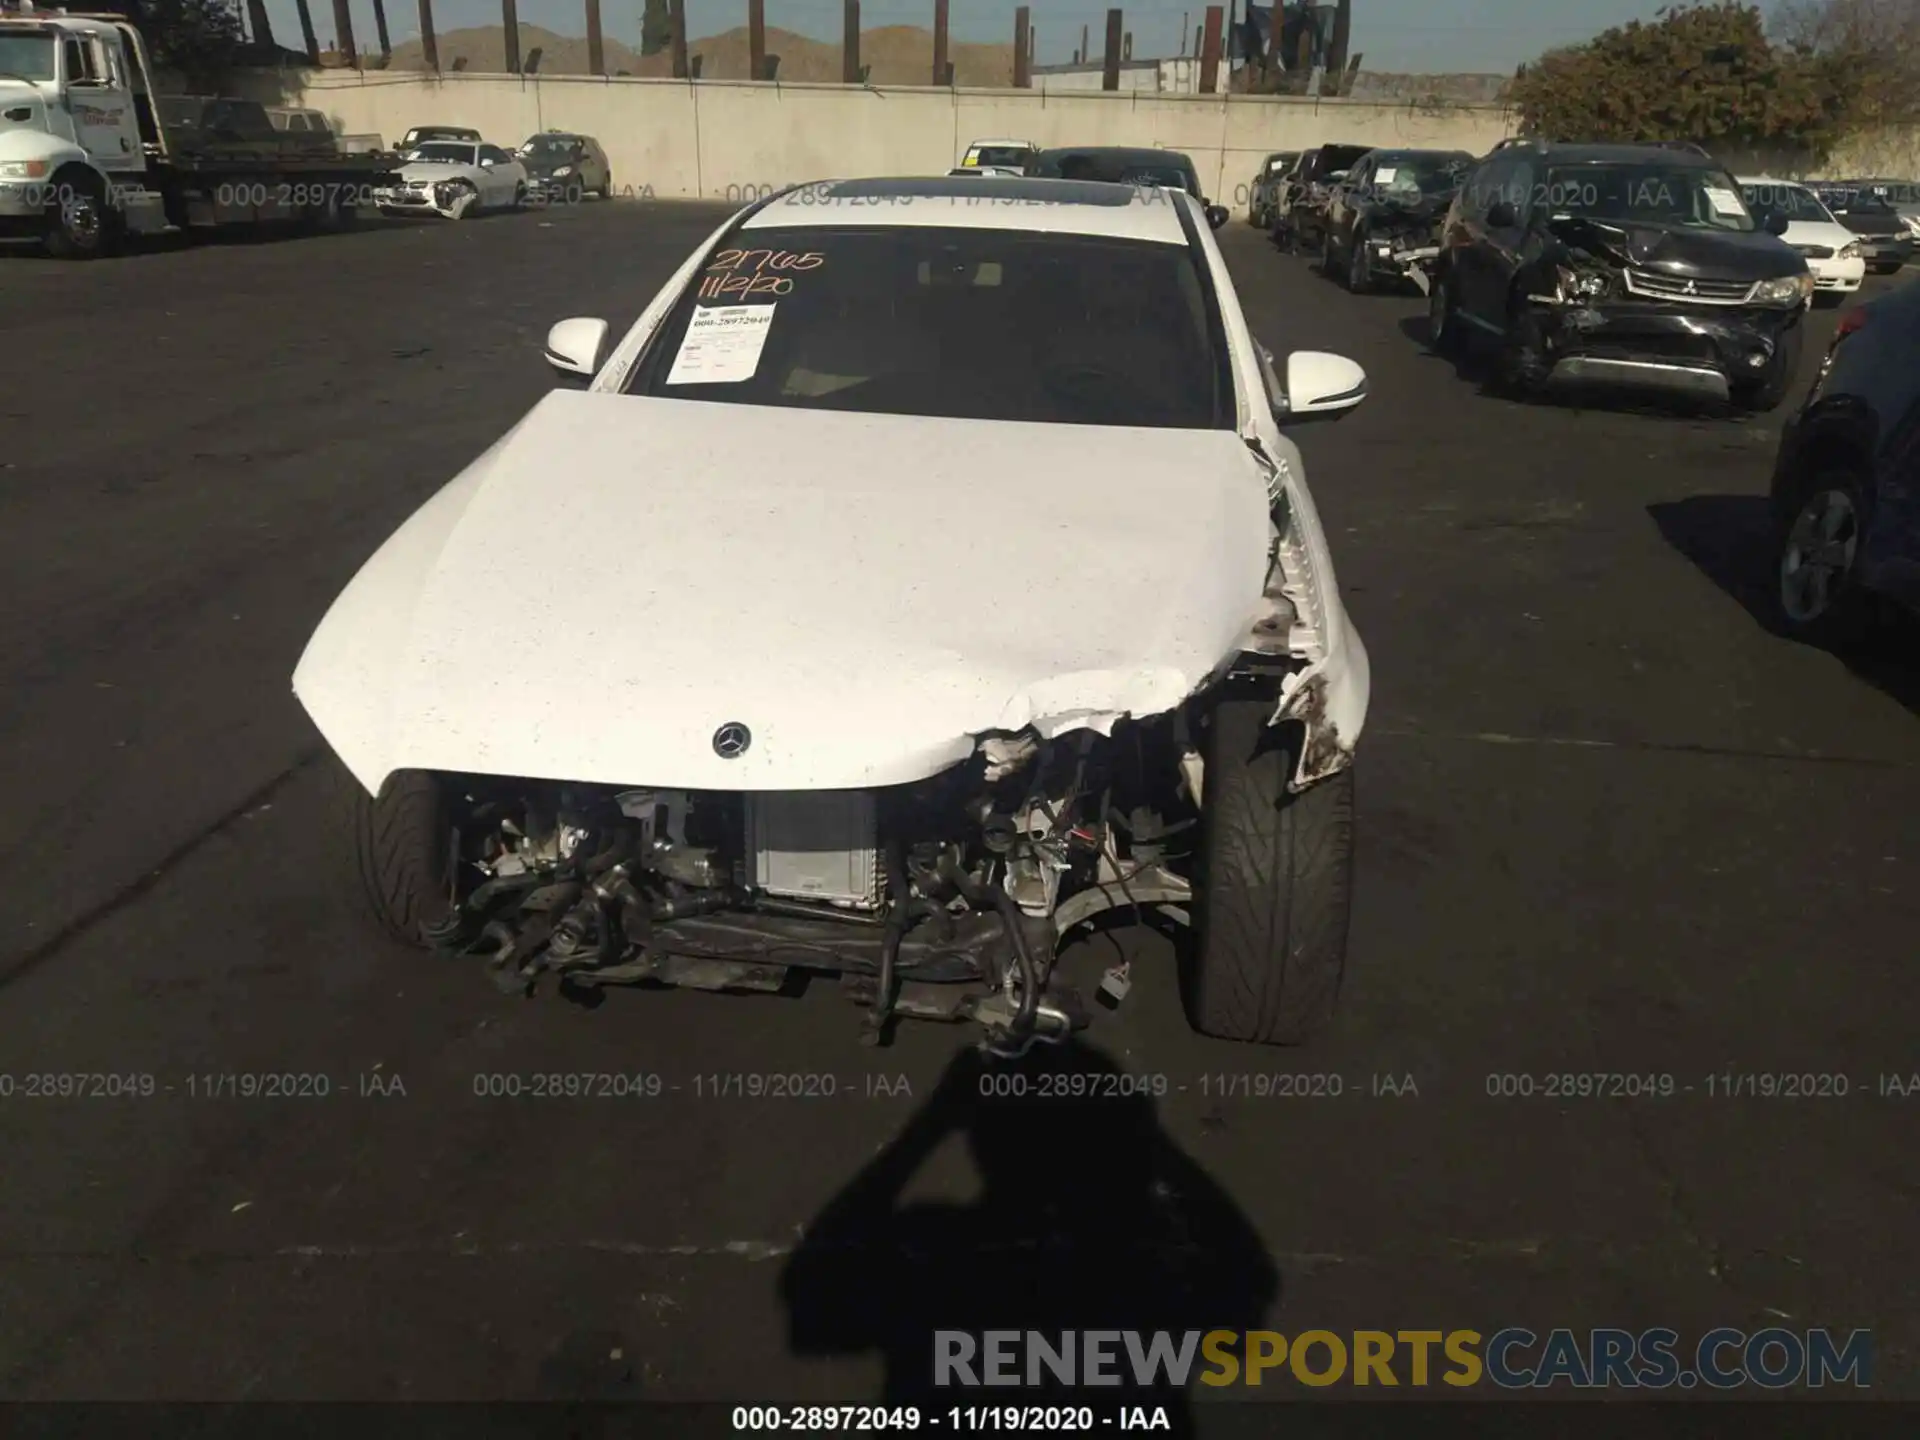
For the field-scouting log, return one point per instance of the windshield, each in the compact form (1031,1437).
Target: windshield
(551,147)
(1015,156)
(1646,194)
(446,150)
(1792,202)
(975,324)
(1418,176)
(1851,200)
(26,57)
(1337,157)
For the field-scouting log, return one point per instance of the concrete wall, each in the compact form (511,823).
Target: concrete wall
(732,140)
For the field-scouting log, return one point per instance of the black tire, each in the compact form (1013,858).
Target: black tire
(1273,892)
(519,198)
(400,851)
(1443,316)
(473,207)
(1764,395)
(605,192)
(1893,269)
(1329,256)
(81,225)
(574,193)
(1359,276)
(1523,358)
(1847,614)
(333,215)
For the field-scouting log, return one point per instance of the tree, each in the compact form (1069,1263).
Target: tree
(656,28)
(201,39)
(1706,73)
(1878,40)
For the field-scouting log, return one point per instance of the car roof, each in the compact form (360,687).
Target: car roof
(1002,140)
(1397,153)
(1123,154)
(1620,154)
(1063,207)
(1769,180)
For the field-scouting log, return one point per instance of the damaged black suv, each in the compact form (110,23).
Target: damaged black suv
(1620,265)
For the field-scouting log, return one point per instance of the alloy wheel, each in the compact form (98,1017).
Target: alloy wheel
(1818,555)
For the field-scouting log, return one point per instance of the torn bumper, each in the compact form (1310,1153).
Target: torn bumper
(1406,257)
(1664,347)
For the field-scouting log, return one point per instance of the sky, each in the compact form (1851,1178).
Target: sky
(1400,36)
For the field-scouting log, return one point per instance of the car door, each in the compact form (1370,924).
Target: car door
(1505,243)
(503,175)
(1479,264)
(1891,558)
(1343,205)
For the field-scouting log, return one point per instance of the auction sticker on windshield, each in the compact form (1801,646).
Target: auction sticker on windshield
(722,345)
(1725,202)
(1385,176)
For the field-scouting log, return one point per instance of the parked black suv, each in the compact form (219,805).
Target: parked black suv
(1846,486)
(1383,223)
(1299,222)
(1623,265)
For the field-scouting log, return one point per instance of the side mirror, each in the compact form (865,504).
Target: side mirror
(1502,216)
(576,347)
(1322,386)
(1217,215)
(1777,223)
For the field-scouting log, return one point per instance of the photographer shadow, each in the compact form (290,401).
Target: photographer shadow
(1088,1217)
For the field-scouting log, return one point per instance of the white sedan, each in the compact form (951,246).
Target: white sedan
(937,576)
(1832,251)
(456,179)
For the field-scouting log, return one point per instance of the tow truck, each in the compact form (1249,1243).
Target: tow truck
(91,152)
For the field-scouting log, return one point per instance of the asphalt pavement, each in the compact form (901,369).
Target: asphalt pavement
(1610,825)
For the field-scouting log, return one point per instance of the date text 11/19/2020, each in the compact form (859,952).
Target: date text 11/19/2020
(960,1419)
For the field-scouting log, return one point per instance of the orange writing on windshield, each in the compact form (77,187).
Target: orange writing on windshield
(755,272)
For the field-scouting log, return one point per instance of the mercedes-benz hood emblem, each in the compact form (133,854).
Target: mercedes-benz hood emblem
(732,740)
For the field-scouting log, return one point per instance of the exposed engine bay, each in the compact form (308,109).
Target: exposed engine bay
(945,899)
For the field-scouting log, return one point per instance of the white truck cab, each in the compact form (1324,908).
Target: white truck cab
(73,160)
(86,153)
(73,156)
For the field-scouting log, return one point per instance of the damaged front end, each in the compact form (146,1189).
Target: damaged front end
(1403,241)
(1605,307)
(942,900)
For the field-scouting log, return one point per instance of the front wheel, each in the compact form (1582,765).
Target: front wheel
(1817,596)
(1359,267)
(1273,890)
(1523,357)
(81,225)
(1443,316)
(400,851)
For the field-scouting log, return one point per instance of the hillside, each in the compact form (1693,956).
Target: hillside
(899,55)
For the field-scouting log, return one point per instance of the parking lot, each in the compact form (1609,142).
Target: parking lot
(1609,825)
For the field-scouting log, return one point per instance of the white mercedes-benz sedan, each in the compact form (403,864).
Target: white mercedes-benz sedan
(926,574)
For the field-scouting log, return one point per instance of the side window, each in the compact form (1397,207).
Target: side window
(104,61)
(78,62)
(1518,191)
(1483,188)
(495,154)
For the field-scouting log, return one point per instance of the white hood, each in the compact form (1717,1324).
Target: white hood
(620,576)
(1819,232)
(435,171)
